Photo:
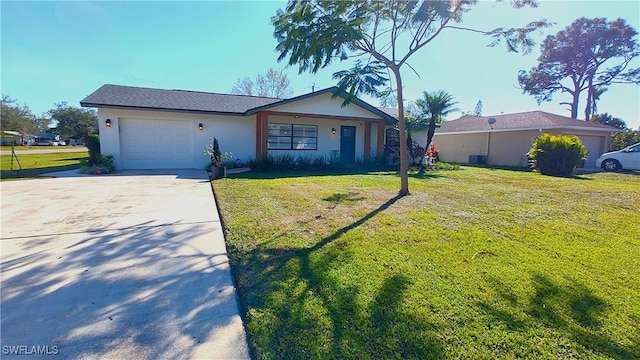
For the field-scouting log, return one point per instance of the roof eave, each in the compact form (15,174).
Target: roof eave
(129,107)
(530,129)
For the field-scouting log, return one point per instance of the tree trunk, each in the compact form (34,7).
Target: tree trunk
(587,108)
(430,132)
(404,176)
(576,97)
(574,105)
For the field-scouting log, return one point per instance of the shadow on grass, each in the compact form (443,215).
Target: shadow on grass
(296,174)
(571,310)
(577,176)
(500,167)
(297,305)
(344,198)
(35,172)
(431,174)
(69,159)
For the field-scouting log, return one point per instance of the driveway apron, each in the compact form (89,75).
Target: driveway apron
(126,266)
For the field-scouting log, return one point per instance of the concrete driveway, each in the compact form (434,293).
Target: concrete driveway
(130,265)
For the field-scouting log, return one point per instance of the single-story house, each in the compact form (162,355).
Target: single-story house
(145,128)
(9,138)
(507,138)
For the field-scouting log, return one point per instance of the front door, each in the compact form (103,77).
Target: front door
(348,144)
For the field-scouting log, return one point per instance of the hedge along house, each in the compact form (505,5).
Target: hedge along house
(146,128)
(472,139)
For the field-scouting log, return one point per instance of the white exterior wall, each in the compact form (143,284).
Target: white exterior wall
(420,137)
(327,142)
(235,134)
(324,105)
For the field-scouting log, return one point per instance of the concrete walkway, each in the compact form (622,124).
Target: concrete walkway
(122,266)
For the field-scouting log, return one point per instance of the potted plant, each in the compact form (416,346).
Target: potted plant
(218,159)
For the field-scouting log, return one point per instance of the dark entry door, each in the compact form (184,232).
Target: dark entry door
(348,144)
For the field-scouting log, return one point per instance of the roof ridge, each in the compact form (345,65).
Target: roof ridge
(194,91)
(227,94)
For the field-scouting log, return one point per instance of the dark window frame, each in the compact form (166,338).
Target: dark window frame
(395,137)
(290,134)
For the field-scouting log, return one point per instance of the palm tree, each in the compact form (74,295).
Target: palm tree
(435,106)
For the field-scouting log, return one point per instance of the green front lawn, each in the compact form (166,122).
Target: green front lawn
(37,164)
(476,263)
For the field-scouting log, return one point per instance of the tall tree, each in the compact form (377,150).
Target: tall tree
(595,97)
(478,110)
(620,140)
(75,122)
(588,54)
(388,97)
(41,123)
(314,33)
(606,119)
(435,106)
(16,117)
(274,84)
(243,86)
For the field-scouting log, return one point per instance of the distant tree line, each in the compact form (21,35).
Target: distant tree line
(273,84)
(69,121)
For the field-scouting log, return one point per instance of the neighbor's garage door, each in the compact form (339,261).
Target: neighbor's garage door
(156,144)
(594,146)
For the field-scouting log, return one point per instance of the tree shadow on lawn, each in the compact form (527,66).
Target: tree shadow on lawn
(500,167)
(344,198)
(297,306)
(571,311)
(576,175)
(295,174)
(35,172)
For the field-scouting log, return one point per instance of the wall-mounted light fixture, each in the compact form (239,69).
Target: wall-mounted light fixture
(200,127)
(107,123)
(333,131)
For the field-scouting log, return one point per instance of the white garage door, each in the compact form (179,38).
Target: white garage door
(156,144)
(594,146)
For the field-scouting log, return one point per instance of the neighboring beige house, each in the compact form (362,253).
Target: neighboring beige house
(471,139)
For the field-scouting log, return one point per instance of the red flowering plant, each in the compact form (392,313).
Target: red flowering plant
(432,154)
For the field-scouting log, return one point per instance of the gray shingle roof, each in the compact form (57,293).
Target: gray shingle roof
(129,97)
(393,112)
(519,121)
(182,100)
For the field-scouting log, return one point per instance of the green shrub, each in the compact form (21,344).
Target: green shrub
(93,145)
(304,162)
(287,162)
(557,155)
(441,165)
(621,140)
(101,165)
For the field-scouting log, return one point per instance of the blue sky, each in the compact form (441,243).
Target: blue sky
(63,51)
